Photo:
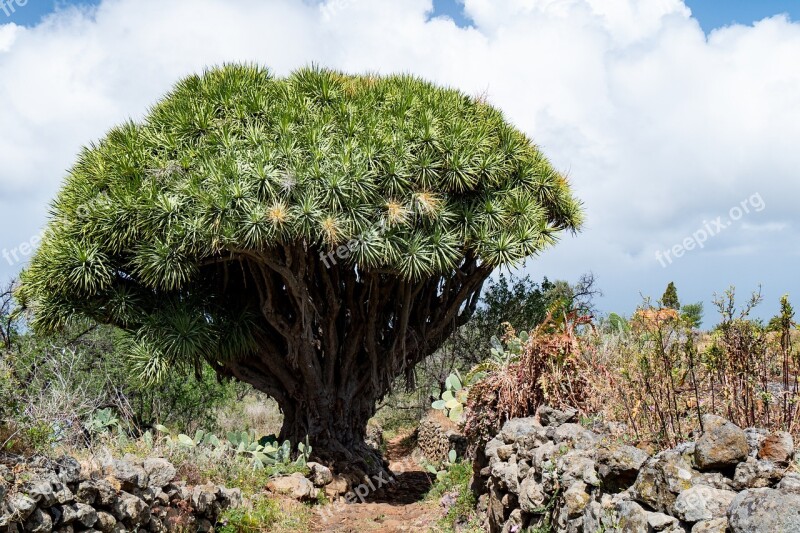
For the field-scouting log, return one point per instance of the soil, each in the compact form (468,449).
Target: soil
(401,506)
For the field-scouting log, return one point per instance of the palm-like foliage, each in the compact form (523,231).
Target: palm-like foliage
(197,229)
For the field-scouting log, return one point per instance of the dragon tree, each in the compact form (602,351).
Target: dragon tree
(315,236)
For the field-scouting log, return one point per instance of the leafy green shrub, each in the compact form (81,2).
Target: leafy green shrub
(455,481)
(80,379)
(103,421)
(264,515)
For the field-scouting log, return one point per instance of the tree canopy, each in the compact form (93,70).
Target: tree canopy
(309,217)
(238,160)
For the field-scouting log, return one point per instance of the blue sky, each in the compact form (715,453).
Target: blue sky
(34,10)
(710,13)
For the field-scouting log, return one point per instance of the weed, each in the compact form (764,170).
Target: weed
(455,480)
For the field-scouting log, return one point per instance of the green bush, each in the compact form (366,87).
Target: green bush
(67,387)
(455,481)
(264,515)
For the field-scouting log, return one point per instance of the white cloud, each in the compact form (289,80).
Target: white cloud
(659,126)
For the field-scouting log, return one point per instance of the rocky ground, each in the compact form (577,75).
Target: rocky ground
(42,496)
(544,473)
(550,472)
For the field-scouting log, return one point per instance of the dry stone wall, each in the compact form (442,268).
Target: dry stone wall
(552,473)
(128,495)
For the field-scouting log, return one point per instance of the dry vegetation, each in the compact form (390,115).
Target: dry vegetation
(654,375)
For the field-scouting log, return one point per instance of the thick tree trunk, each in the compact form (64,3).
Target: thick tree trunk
(333,339)
(333,419)
(337,432)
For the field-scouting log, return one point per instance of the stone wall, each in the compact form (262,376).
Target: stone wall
(548,471)
(127,495)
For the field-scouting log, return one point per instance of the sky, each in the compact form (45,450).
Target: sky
(677,123)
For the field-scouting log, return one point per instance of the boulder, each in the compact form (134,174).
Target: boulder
(790,482)
(20,507)
(39,522)
(755,436)
(296,485)
(514,522)
(540,455)
(63,494)
(67,514)
(203,498)
(85,515)
(129,474)
(159,472)
(618,465)
(99,491)
(575,499)
(495,510)
(777,447)
(716,525)
(321,475)
(105,522)
(491,450)
(337,487)
(130,509)
(517,428)
(229,497)
(41,491)
(555,417)
(576,465)
(702,503)
(531,495)
(69,469)
(764,511)
(631,517)
(714,479)
(505,452)
(754,474)
(721,446)
(661,479)
(661,522)
(507,476)
(573,435)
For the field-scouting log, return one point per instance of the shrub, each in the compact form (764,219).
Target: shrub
(551,369)
(665,374)
(453,483)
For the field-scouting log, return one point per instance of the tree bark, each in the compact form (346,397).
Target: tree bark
(333,339)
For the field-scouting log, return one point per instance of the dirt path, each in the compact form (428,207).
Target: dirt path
(401,506)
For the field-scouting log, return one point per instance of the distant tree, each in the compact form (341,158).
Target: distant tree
(565,297)
(783,323)
(670,297)
(8,321)
(693,314)
(315,236)
(784,320)
(518,301)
